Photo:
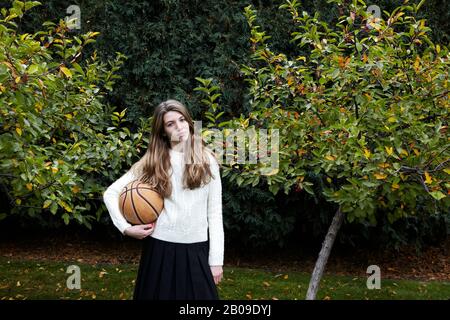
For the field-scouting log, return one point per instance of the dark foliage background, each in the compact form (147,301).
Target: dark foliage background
(169,43)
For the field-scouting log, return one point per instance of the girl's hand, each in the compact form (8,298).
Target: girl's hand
(217,273)
(140,231)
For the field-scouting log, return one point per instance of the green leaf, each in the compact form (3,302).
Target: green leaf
(54,208)
(437,195)
(66,218)
(33,69)
(274,188)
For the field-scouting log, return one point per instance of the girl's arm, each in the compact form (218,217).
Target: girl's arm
(111,199)
(215,224)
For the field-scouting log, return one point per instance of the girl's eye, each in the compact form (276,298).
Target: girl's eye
(181,120)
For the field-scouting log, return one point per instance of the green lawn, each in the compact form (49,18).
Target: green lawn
(47,280)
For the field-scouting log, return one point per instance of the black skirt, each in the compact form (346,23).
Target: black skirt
(174,271)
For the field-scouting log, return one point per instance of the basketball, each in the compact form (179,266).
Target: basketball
(140,203)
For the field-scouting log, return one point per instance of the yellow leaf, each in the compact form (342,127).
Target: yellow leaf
(286,277)
(392,119)
(447,170)
(76,189)
(384,165)
(19,131)
(329,180)
(290,81)
(29,186)
(18,201)
(389,150)
(54,140)
(404,152)
(380,176)
(417,64)
(422,24)
(428,179)
(364,58)
(395,186)
(47,204)
(329,157)
(66,72)
(266,284)
(65,205)
(417,152)
(249,296)
(367,153)
(17,79)
(68,116)
(38,107)
(438,48)
(55,170)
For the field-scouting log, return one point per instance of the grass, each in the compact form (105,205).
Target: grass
(47,280)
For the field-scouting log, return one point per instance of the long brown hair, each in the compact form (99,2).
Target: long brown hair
(154,166)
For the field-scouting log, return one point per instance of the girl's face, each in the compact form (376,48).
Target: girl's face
(176,127)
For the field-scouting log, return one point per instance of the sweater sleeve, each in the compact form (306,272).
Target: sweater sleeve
(111,199)
(215,224)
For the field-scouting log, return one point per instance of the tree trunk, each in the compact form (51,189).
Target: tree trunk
(324,254)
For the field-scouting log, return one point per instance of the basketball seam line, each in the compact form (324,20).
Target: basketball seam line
(134,207)
(156,211)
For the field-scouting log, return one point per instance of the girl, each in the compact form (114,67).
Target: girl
(178,260)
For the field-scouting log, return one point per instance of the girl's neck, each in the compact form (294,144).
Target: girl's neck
(177,149)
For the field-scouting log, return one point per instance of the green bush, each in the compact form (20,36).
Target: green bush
(365,110)
(59,141)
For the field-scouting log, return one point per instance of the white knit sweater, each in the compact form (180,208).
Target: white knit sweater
(187,216)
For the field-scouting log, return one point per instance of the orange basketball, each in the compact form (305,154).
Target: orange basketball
(140,203)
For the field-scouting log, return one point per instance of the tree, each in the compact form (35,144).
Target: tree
(365,110)
(58,141)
